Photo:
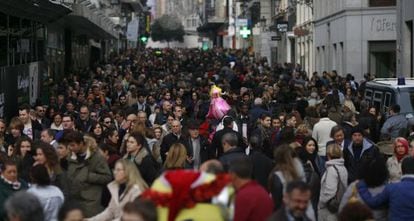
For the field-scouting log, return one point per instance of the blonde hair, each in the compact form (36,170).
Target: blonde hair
(302,129)
(133,175)
(176,156)
(90,142)
(334,151)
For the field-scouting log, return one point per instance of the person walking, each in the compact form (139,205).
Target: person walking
(126,187)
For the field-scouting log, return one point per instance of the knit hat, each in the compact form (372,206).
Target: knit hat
(357,129)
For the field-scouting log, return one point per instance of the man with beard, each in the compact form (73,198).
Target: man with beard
(355,154)
(295,203)
(264,133)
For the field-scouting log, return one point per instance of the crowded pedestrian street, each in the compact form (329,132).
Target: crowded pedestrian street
(107,114)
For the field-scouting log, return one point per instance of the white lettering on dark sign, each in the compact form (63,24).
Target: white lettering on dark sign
(22,82)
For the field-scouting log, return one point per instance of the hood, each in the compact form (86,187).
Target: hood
(366,144)
(335,162)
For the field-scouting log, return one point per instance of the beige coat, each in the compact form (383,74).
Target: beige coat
(394,169)
(114,209)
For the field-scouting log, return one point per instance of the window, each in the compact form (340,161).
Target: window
(368,95)
(378,100)
(382,3)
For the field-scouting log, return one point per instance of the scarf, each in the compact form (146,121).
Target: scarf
(15,185)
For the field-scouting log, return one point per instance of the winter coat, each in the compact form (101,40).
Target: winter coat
(262,166)
(87,180)
(321,133)
(394,169)
(146,165)
(399,198)
(217,146)
(114,209)
(379,214)
(329,187)
(51,199)
(205,151)
(231,155)
(393,125)
(353,163)
(7,190)
(168,141)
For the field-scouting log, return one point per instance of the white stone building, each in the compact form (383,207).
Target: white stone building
(303,32)
(405,41)
(355,36)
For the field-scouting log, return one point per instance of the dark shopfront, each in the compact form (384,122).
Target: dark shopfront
(22,50)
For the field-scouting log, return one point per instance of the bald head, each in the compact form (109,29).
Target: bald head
(176,127)
(212,166)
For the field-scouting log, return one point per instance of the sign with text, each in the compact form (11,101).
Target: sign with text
(276,38)
(241,22)
(282,26)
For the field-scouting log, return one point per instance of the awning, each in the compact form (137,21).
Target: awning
(90,22)
(43,11)
(210,26)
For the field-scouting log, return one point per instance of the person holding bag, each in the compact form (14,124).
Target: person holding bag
(333,184)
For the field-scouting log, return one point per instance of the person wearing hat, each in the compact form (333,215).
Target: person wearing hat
(394,162)
(197,146)
(359,150)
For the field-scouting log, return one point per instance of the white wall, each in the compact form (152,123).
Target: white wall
(354,28)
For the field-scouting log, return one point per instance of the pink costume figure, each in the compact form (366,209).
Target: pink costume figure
(218,106)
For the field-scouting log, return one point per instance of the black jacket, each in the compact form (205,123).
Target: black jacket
(169,140)
(231,155)
(216,145)
(247,120)
(205,152)
(353,163)
(262,166)
(146,108)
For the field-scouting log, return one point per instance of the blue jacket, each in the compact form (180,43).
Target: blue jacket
(398,196)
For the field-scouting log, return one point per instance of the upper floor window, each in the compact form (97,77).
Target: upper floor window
(381,3)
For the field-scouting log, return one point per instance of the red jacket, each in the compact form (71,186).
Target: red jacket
(253,203)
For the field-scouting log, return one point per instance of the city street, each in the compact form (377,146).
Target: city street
(207,110)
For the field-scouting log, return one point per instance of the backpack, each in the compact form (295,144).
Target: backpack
(333,204)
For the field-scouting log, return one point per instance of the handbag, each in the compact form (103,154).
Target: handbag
(333,204)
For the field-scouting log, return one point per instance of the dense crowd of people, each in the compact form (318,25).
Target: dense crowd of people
(175,134)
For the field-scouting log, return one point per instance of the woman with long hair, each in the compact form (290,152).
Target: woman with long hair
(139,153)
(287,169)
(46,155)
(176,157)
(126,187)
(156,148)
(97,132)
(23,156)
(112,138)
(313,165)
(15,131)
(394,163)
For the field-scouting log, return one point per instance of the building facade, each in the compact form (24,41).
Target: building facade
(405,41)
(355,36)
(303,32)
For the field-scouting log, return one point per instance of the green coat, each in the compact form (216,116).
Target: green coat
(6,190)
(86,181)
